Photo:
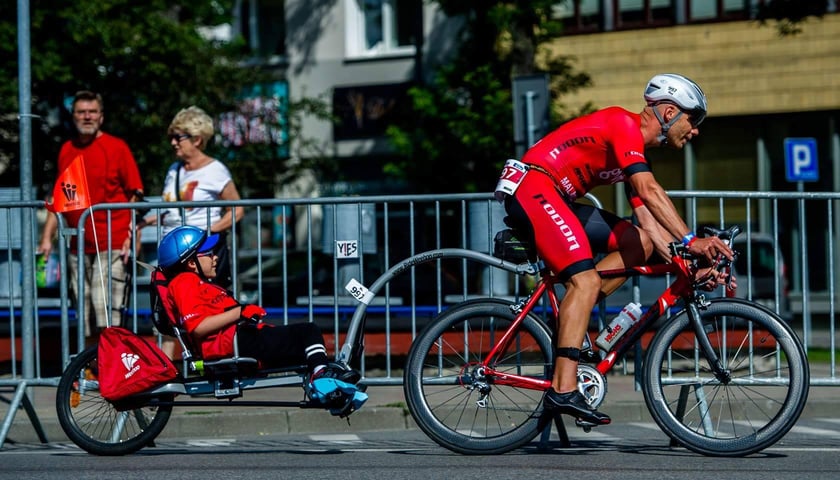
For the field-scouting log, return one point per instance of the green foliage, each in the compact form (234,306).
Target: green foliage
(148,60)
(460,128)
(790,14)
(459,132)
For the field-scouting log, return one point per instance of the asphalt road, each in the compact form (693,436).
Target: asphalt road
(629,450)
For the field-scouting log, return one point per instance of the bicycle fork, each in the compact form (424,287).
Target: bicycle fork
(722,374)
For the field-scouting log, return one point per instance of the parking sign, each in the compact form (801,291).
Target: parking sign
(801,160)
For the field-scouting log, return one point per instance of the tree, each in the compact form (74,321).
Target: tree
(460,128)
(148,59)
(791,14)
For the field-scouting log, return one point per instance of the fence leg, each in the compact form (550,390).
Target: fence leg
(20,398)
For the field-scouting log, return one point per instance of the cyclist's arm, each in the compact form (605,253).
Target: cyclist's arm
(661,208)
(658,235)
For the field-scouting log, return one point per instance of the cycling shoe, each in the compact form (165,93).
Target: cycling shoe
(351,404)
(341,398)
(338,372)
(573,403)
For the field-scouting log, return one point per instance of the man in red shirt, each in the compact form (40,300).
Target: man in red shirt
(112,177)
(601,148)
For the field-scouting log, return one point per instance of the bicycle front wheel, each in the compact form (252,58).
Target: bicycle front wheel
(762,398)
(92,422)
(448,393)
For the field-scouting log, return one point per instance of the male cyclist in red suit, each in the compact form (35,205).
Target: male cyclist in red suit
(601,148)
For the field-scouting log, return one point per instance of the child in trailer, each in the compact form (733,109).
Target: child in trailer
(214,320)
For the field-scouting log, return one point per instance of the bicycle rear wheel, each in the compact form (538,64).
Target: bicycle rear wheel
(449,396)
(92,422)
(751,411)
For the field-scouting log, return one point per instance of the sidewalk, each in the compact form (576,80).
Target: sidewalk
(385,410)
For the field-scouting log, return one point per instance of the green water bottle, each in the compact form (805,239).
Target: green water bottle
(41,270)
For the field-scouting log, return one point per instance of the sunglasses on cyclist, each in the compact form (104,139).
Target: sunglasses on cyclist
(695,117)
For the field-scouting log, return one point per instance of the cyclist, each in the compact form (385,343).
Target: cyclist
(214,319)
(602,148)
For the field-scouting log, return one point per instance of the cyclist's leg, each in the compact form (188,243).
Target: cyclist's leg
(283,345)
(562,243)
(623,243)
(575,309)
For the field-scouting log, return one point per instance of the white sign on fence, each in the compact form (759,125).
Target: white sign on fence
(347,249)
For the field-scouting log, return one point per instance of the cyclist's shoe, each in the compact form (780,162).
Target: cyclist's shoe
(573,403)
(339,397)
(338,372)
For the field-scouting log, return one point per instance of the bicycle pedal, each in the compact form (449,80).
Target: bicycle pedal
(586,426)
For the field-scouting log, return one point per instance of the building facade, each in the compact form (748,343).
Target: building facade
(762,87)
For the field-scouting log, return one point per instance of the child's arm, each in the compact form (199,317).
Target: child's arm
(215,323)
(200,307)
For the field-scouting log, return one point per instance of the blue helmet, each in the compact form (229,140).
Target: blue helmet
(182,243)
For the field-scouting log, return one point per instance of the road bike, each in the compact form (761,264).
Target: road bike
(722,377)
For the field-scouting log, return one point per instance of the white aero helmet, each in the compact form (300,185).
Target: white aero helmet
(680,91)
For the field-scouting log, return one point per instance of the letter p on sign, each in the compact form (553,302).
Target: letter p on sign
(801,160)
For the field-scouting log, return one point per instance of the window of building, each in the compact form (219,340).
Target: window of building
(263,26)
(643,13)
(588,16)
(381,27)
(720,10)
(579,16)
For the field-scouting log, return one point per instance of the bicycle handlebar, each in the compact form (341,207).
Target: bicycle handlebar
(727,235)
(720,262)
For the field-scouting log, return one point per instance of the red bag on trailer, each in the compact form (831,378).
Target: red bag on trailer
(130,364)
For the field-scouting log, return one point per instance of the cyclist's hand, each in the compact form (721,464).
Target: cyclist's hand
(716,279)
(709,247)
(253,313)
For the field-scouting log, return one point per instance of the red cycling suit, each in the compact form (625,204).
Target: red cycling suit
(602,148)
(194,299)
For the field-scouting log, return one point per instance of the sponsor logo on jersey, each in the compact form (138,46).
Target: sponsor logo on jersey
(565,229)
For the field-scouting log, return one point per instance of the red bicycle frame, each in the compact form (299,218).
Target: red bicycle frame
(680,288)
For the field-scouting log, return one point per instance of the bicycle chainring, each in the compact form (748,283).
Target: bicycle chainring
(592,384)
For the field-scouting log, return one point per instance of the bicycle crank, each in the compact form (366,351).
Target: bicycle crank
(592,384)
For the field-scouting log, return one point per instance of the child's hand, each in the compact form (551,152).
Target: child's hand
(253,313)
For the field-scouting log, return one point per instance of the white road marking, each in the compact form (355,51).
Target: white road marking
(340,438)
(647,425)
(211,442)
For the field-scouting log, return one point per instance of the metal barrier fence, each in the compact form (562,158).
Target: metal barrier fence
(295,257)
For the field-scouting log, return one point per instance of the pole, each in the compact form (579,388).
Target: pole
(27,237)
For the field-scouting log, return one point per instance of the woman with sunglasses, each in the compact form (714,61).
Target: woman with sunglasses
(197,177)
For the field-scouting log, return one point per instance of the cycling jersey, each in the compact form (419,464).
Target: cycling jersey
(194,300)
(601,148)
